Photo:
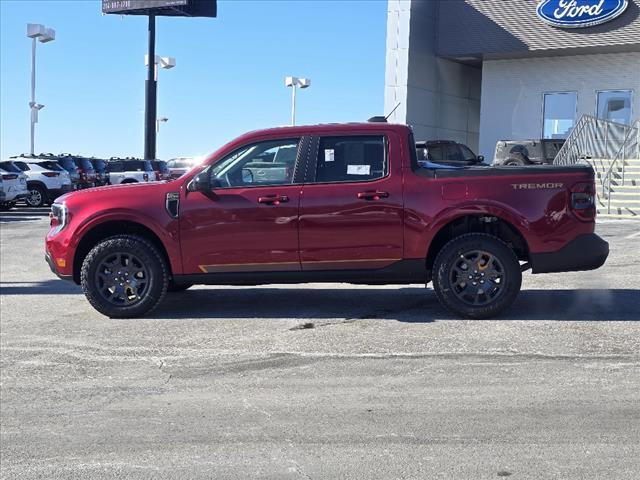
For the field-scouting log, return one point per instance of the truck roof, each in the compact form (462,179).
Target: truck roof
(320,129)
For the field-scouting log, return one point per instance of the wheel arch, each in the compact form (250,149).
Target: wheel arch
(110,228)
(490,223)
(38,183)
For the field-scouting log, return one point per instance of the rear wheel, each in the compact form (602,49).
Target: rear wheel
(37,196)
(476,276)
(124,277)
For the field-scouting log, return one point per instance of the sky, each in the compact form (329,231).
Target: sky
(228,79)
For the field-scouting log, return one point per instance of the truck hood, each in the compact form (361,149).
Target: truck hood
(126,189)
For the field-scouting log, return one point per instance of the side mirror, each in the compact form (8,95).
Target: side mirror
(480,158)
(200,183)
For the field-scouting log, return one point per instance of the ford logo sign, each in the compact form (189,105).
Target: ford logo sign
(579,13)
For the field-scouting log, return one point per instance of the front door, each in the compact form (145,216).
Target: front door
(351,211)
(249,221)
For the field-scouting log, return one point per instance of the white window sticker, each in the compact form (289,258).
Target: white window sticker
(358,169)
(329,155)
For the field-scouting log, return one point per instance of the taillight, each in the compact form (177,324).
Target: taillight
(158,176)
(583,200)
(9,176)
(51,174)
(145,176)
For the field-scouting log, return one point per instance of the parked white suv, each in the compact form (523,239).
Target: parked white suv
(46,180)
(129,171)
(14,184)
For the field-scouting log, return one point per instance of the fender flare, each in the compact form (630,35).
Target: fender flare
(473,208)
(170,243)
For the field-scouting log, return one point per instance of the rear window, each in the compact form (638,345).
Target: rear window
(22,166)
(99,165)
(83,163)
(51,166)
(10,167)
(67,164)
(179,164)
(160,165)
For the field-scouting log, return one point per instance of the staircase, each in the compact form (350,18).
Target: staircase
(613,150)
(621,198)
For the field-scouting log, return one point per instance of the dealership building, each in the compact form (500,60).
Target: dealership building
(480,71)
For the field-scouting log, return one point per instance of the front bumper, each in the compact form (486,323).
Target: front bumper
(52,266)
(585,252)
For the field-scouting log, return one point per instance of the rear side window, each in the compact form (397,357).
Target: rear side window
(137,166)
(22,166)
(9,167)
(351,159)
(115,167)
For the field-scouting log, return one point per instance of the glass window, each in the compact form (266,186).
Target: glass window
(264,163)
(22,166)
(9,167)
(559,114)
(351,159)
(453,153)
(436,153)
(115,166)
(615,105)
(49,165)
(467,154)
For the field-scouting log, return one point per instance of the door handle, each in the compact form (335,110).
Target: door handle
(377,195)
(273,199)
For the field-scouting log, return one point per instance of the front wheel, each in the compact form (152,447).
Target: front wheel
(37,196)
(124,276)
(476,276)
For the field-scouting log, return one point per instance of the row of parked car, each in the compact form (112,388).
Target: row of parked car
(39,179)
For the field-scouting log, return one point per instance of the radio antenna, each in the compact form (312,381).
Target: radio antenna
(391,112)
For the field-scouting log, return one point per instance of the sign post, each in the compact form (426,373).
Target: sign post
(153,8)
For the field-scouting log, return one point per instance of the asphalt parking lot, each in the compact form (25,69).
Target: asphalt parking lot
(320,381)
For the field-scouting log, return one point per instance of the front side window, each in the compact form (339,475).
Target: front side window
(559,115)
(453,153)
(615,105)
(264,163)
(467,154)
(351,159)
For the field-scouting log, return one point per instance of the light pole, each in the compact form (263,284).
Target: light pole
(294,82)
(151,92)
(43,35)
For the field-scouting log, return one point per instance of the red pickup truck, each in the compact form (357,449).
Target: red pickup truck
(327,203)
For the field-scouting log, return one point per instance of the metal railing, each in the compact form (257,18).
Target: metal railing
(596,141)
(630,149)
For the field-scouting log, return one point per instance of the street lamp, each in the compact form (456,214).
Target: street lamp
(151,93)
(294,82)
(43,35)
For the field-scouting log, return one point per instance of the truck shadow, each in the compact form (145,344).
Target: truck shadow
(412,305)
(407,304)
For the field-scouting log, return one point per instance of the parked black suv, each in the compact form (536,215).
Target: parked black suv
(100,167)
(447,152)
(527,152)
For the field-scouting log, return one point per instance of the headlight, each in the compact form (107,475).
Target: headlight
(59,217)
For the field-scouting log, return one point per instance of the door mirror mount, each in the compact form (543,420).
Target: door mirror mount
(200,183)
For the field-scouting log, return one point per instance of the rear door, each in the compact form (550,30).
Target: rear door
(351,210)
(249,220)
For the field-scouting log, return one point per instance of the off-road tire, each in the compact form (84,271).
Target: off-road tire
(43,197)
(148,255)
(178,287)
(453,251)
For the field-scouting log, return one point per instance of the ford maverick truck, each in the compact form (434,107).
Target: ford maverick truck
(327,203)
